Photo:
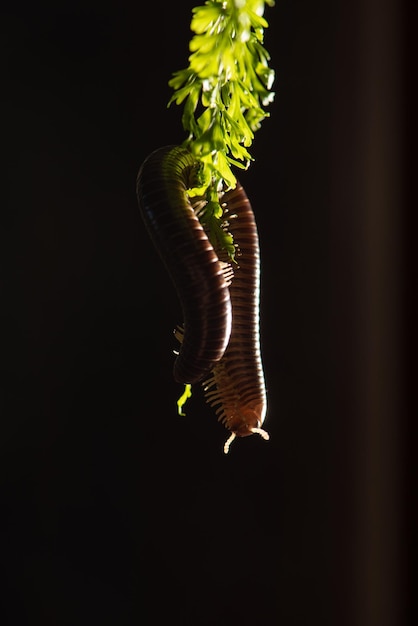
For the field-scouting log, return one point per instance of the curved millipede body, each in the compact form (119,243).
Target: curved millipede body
(225,356)
(196,271)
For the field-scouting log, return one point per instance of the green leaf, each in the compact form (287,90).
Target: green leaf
(187,393)
(205,17)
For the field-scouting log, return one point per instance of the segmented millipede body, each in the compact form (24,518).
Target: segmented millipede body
(220,344)
(194,267)
(236,385)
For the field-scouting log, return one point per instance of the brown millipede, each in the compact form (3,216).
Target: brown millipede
(194,267)
(236,385)
(220,341)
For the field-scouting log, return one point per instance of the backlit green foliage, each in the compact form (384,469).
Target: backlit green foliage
(224,91)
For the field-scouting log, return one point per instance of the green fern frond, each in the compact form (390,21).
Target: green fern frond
(224,91)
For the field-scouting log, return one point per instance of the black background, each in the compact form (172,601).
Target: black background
(115,510)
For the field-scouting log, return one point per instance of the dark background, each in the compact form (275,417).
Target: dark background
(114,509)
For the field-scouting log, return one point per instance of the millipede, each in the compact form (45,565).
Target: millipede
(220,335)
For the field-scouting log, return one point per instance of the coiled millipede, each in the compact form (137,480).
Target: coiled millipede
(220,338)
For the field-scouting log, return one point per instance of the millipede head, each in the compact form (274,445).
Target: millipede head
(259,431)
(246,422)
